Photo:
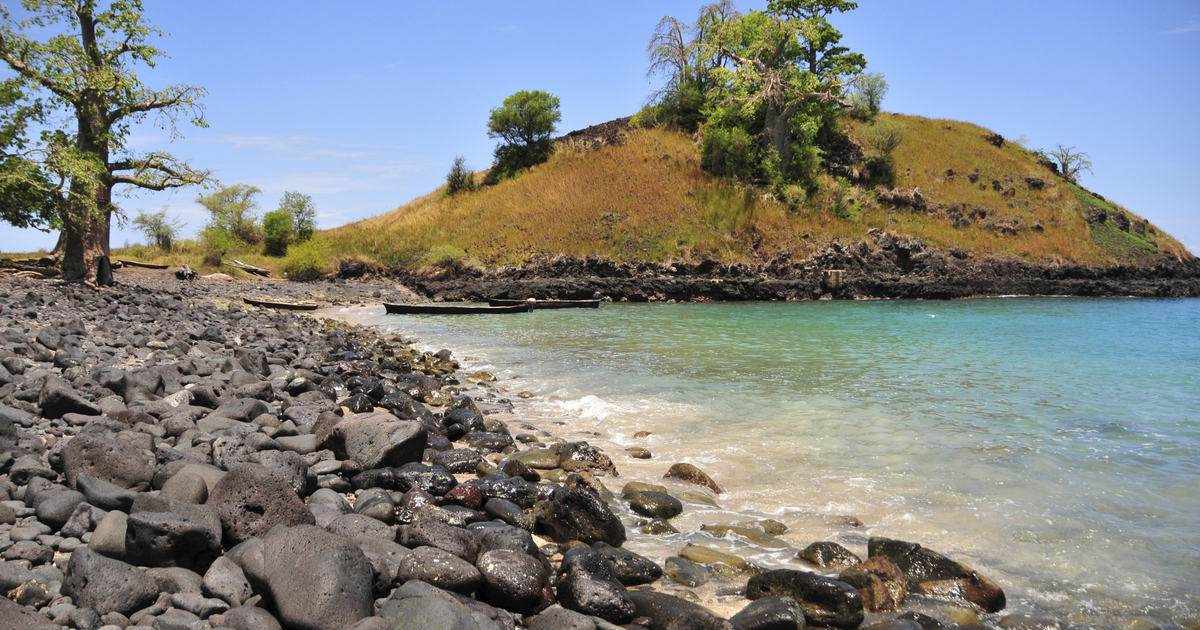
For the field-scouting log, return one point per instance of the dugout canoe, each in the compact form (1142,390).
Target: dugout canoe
(142,265)
(286,306)
(462,308)
(546,304)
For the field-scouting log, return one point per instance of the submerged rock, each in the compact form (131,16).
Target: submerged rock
(933,574)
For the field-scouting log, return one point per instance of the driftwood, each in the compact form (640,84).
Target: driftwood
(143,265)
(185,273)
(266,273)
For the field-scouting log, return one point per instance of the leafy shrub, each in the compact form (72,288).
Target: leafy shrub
(217,240)
(867,100)
(460,178)
(883,137)
(278,227)
(728,152)
(304,214)
(306,261)
(158,227)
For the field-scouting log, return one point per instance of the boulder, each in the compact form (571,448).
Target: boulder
(16,616)
(251,500)
(419,606)
(175,579)
(580,514)
(588,584)
(378,440)
(432,533)
(439,568)
(825,601)
(780,612)
(828,555)
(104,495)
(106,585)
(58,398)
(882,584)
(559,618)
(356,526)
(933,574)
(225,580)
(630,568)
(654,504)
(511,580)
(317,580)
(662,608)
(163,539)
(106,459)
(250,618)
(690,474)
(58,508)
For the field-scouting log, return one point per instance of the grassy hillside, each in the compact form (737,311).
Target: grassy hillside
(648,199)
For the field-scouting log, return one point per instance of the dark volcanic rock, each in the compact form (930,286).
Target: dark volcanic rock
(826,554)
(580,514)
(432,533)
(587,583)
(654,504)
(107,585)
(439,568)
(107,459)
(419,606)
(317,580)
(629,568)
(251,500)
(771,613)
(935,575)
(58,398)
(826,601)
(160,539)
(511,580)
(104,495)
(378,440)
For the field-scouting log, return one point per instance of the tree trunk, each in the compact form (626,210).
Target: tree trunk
(778,132)
(85,236)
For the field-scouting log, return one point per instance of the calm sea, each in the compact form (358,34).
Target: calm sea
(1051,444)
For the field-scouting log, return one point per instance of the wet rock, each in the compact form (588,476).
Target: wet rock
(781,612)
(511,580)
(659,527)
(700,620)
(493,536)
(439,568)
(459,460)
(725,564)
(629,568)
(160,539)
(580,514)
(251,500)
(933,574)
(432,533)
(508,512)
(106,459)
(467,495)
(752,534)
(377,504)
(691,474)
(828,555)
(587,584)
(825,601)
(378,440)
(662,608)
(925,621)
(654,504)
(893,624)
(512,489)
(882,584)
(106,585)
(574,456)
(517,468)
(538,458)
(316,580)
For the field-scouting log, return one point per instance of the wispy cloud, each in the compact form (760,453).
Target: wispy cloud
(508,28)
(1193,26)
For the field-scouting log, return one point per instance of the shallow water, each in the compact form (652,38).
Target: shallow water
(1051,444)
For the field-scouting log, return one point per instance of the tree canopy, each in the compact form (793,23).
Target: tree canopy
(524,123)
(67,111)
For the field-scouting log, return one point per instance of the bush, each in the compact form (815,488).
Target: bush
(883,137)
(304,214)
(217,240)
(460,178)
(158,227)
(307,261)
(728,152)
(867,100)
(233,209)
(278,227)
(525,123)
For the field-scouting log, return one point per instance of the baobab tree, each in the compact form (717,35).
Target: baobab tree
(76,90)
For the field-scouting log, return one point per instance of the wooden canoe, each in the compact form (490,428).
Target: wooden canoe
(287,306)
(461,308)
(544,304)
(134,263)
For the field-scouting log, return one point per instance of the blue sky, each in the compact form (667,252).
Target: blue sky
(364,105)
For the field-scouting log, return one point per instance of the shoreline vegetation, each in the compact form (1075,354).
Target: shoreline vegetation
(169,453)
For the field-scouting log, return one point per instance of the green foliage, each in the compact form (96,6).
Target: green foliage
(304,214)
(869,90)
(729,152)
(820,40)
(845,206)
(278,226)
(524,124)
(460,178)
(233,210)
(68,108)
(307,261)
(158,227)
(25,197)
(217,240)
(445,257)
(882,138)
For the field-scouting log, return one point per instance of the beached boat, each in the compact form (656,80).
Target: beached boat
(461,308)
(544,304)
(134,263)
(287,306)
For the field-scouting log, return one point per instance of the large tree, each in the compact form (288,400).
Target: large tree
(524,123)
(73,99)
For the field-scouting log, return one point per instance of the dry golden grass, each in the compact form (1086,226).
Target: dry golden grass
(648,199)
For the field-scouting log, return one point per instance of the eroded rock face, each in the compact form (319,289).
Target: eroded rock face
(251,500)
(318,581)
(933,574)
(825,601)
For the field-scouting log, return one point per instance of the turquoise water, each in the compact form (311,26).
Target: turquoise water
(1052,444)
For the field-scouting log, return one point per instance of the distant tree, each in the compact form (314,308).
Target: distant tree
(525,123)
(460,178)
(869,90)
(304,214)
(279,226)
(158,227)
(233,210)
(67,107)
(1070,163)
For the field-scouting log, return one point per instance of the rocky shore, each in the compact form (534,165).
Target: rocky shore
(886,267)
(172,459)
